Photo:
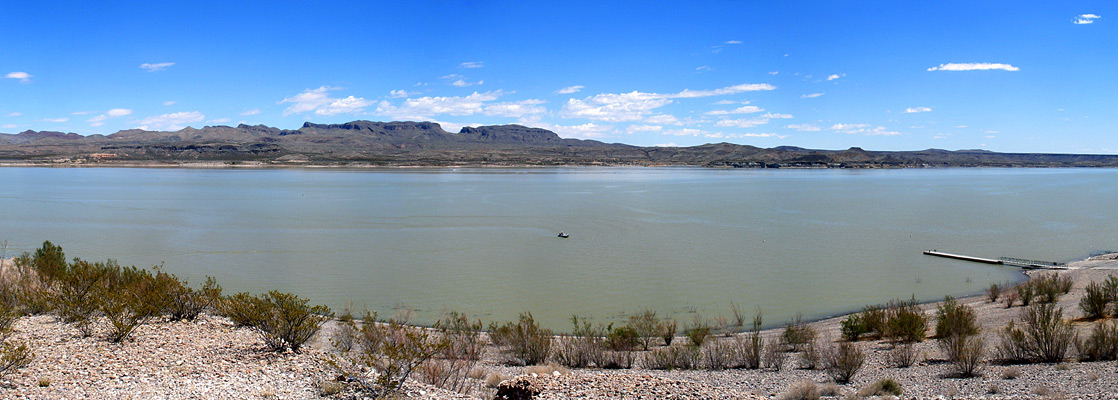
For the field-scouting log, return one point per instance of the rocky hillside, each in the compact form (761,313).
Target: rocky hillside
(426,143)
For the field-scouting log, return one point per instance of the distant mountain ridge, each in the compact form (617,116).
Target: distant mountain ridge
(408,143)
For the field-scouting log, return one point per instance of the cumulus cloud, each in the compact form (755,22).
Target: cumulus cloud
(570,89)
(22,76)
(118,112)
(912,110)
(804,127)
(588,130)
(320,102)
(1083,19)
(156,66)
(863,129)
(811,96)
(251,112)
(739,110)
(425,108)
(973,67)
(635,106)
(776,116)
(833,77)
(515,109)
(171,122)
(643,128)
(399,94)
(472,64)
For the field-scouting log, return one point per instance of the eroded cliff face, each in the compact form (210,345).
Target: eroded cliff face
(426,143)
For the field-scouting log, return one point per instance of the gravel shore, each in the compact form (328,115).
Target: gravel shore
(211,359)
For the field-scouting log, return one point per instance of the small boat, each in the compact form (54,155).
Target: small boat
(564,235)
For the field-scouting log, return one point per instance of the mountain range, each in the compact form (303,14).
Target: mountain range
(367,143)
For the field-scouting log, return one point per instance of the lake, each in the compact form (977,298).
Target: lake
(684,242)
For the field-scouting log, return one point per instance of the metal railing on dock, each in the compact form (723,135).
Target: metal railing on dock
(1016,262)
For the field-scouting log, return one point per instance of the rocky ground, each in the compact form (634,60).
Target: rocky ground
(211,359)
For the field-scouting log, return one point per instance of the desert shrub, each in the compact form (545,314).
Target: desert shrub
(1111,285)
(954,319)
(906,323)
(672,357)
(646,326)
(76,288)
(885,386)
(752,346)
(968,355)
(830,389)
(1009,297)
(803,390)
(775,354)
(853,327)
(625,338)
(843,361)
(1043,335)
(1026,293)
(1101,344)
(186,303)
(667,331)
(616,360)
(584,347)
(463,337)
(1011,373)
(698,332)
(396,350)
(739,316)
(49,261)
(797,333)
(131,297)
(718,355)
(283,320)
(874,319)
(494,379)
(993,292)
(14,355)
(810,356)
(1094,301)
(524,340)
(903,355)
(1048,287)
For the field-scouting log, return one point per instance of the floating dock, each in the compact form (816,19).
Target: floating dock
(964,258)
(1015,262)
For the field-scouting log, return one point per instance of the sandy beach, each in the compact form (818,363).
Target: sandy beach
(210,358)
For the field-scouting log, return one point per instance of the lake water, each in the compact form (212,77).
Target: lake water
(682,241)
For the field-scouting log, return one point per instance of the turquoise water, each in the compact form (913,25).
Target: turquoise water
(682,241)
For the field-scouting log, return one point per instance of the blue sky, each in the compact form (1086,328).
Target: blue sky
(1007,76)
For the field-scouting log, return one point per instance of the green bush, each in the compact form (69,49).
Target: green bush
(283,320)
(1095,300)
(1026,292)
(130,297)
(954,319)
(1101,344)
(906,323)
(797,333)
(673,357)
(874,319)
(14,355)
(1043,335)
(524,340)
(752,345)
(623,338)
(646,326)
(584,347)
(76,288)
(886,386)
(698,333)
(853,327)
(463,337)
(994,291)
(667,331)
(185,303)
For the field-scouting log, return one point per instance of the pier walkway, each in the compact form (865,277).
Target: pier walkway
(1016,262)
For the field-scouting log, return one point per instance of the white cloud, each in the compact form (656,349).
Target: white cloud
(912,110)
(459,80)
(218,121)
(399,94)
(803,127)
(973,67)
(1085,19)
(811,96)
(833,77)
(426,107)
(11,126)
(22,76)
(774,72)
(703,68)
(989,136)
(666,145)
(643,128)
(55,120)
(169,103)
(685,132)
(15,114)
(777,116)
(663,119)
(634,106)
(863,129)
(732,42)
(118,112)
(319,101)
(570,89)
(472,64)
(82,112)
(171,122)
(586,131)
(515,109)
(739,110)
(251,112)
(156,67)
(742,123)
